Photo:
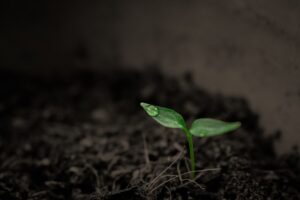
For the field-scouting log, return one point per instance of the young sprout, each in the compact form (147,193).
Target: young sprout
(203,127)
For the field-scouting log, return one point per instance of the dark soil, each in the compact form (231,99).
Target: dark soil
(84,136)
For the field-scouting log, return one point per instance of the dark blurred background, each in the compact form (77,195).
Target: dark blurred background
(247,48)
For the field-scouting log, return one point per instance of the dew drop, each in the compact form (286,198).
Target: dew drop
(150,109)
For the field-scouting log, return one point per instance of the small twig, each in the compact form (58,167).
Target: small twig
(192,181)
(162,177)
(166,169)
(170,193)
(202,170)
(163,183)
(179,172)
(176,176)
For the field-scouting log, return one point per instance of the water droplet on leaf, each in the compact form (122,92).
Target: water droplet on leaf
(150,109)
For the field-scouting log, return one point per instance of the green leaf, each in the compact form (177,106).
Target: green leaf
(206,127)
(165,116)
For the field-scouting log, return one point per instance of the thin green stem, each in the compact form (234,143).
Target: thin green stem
(191,151)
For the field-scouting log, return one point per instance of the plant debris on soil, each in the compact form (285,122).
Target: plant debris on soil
(84,136)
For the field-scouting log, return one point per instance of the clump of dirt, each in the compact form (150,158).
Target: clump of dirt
(84,136)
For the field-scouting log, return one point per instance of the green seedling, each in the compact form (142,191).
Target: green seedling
(203,127)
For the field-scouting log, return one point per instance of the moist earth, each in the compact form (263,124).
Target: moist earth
(84,136)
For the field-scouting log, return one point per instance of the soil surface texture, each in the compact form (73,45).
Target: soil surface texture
(84,136)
